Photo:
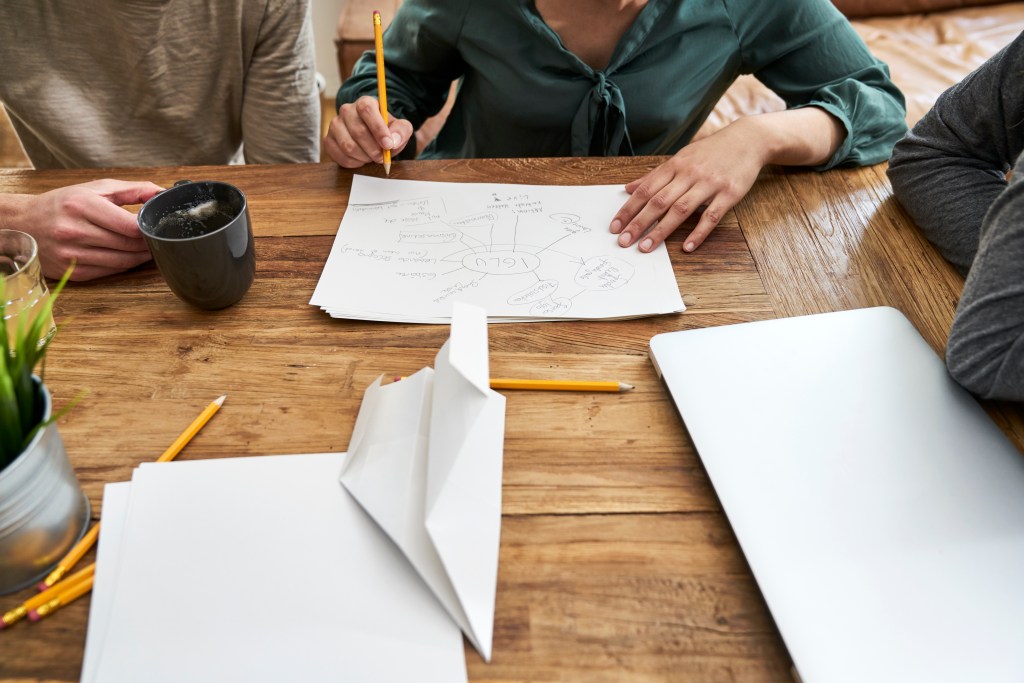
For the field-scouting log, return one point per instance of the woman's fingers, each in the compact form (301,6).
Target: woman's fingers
(666,211)
(640,192)
(401,133)
(708,221)
(712,172)
(353,140)
(368,109)
(342,148)
(358,135)
(369,130)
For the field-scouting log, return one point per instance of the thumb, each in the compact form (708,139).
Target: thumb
(401,133)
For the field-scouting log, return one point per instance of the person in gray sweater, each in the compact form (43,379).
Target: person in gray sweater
(952,173)
(115,84)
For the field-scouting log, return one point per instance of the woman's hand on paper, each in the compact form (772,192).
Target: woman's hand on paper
(715,172)
(84,225)
(358,134)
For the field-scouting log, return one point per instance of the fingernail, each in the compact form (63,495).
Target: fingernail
(688,246)
(616,226)
(386,142)
(624,239)
(646,244)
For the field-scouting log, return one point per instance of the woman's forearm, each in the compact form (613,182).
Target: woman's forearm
(808,136)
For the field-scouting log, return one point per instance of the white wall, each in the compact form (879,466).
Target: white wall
(325,23)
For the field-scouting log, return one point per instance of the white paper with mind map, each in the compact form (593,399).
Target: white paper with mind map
(407,250)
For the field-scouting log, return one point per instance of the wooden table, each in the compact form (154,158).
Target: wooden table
(617,562)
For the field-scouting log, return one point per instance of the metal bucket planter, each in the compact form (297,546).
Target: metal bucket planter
(43,511)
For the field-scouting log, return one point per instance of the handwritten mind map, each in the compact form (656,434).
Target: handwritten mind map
(406,250)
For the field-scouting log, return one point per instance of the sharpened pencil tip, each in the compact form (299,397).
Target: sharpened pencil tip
(387,169)
(220,401)
(625,387)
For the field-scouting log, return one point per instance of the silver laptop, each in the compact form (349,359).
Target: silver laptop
(880,509)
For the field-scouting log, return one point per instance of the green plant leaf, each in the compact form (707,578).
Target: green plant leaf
(21,399)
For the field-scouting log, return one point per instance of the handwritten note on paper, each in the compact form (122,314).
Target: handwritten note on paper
(406,250)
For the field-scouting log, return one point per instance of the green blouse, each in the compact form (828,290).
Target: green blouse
(523,94)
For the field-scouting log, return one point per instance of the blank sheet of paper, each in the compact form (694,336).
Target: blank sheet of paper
(115,507)
(264,569)
(406,250)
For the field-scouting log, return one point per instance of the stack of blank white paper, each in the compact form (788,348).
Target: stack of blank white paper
(406,250)
(257,569)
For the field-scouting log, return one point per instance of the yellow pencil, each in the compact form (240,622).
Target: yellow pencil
(558,385)
(72,558)
(66,595)
(83,546)
(382,93)
(555,385)
(193,429)
(21,611)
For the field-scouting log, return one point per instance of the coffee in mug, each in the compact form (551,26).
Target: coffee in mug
(200,235)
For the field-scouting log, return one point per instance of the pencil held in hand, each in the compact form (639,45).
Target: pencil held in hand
(382,93)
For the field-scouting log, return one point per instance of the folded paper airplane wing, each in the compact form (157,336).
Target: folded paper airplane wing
(425,462)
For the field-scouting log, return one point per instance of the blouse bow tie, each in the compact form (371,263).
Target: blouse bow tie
(599,127)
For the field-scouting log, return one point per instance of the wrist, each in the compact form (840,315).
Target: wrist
(807,136)
(760,139)
(12,211)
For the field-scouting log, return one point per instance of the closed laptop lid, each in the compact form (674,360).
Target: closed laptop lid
(879,507)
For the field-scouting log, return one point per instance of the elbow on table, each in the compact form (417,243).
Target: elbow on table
(906,176)
(979,364)
(968,374)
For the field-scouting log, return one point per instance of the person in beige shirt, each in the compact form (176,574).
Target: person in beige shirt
(123,83)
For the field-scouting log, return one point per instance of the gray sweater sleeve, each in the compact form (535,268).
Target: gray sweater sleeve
(986,345)
(950,174)
(950,168)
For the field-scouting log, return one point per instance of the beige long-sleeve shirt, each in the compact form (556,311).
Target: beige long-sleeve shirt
(116,83)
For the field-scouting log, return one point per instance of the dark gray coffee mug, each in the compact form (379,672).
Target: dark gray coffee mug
(200,235)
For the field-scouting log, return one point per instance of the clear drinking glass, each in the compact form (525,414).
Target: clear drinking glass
(24,289)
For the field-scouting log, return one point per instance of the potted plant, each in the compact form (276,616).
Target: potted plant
(43,511)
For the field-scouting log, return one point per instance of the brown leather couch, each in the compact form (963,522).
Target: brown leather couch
(928,44)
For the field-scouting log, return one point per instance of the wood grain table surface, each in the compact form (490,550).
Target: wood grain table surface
(617,562)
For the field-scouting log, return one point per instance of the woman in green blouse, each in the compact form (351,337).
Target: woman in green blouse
(623,77)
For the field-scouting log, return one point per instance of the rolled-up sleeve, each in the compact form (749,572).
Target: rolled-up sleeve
(809,54)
